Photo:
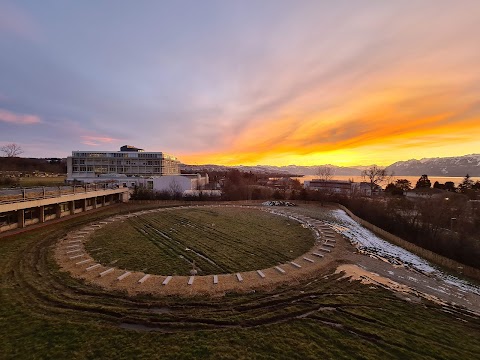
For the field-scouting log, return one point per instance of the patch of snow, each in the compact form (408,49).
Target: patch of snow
(370,244)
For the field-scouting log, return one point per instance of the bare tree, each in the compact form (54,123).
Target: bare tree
(376,176)
(325,172)
(175,189)
(11,150)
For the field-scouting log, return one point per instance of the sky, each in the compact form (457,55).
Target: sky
(243,82)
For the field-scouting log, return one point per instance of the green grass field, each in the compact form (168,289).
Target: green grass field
(45,314)
(42,181)
(219,240)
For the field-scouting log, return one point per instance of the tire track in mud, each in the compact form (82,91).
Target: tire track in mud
(49,293)
(35,279)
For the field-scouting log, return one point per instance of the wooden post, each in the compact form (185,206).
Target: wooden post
(58,211)
(41,215)
(21,218)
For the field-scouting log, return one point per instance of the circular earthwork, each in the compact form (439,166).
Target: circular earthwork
(196,249)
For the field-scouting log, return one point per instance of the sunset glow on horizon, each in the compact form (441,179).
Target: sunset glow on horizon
(243,83)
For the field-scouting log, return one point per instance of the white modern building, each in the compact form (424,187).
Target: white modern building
(131,167)
(130,161)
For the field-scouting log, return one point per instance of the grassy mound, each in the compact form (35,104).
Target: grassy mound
(45,314)
(219,240)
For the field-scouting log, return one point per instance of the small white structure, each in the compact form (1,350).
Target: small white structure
(339,187)
(185,183)
(175,183)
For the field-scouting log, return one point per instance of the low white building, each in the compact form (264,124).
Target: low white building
(331,186)
(175,183)
(339,187)
(170,183)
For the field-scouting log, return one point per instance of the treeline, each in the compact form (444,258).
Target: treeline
(28,165)
(467,187)
(238,185)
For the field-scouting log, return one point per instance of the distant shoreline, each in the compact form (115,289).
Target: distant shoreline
(413,179)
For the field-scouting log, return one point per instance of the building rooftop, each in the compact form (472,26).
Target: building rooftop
(130,148)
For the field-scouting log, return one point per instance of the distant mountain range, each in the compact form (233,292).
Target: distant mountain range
(448,166)
(269,169)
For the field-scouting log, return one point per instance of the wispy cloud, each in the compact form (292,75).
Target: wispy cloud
(304,83)
(19,119)
(98,140)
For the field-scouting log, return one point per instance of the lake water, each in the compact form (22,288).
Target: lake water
(413,179)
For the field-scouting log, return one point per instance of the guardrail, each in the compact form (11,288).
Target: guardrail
(11,196)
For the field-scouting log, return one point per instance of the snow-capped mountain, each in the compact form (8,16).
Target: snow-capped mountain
(448,166)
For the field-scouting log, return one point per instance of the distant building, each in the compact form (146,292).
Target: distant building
(128,162)
(365,188)
(333,186)
(340,187)
(175,183)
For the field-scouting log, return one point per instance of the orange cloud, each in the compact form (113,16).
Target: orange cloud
(18,119)
(382,123)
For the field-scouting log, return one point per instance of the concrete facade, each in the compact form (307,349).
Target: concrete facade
(19,214)
(130,162)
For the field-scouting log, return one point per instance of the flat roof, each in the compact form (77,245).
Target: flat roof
(125,152)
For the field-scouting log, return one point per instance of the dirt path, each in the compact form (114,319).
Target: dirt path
(413,285)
